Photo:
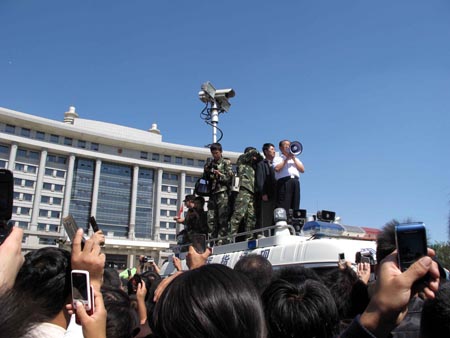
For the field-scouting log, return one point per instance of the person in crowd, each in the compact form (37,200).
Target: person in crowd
(45,278)
(244,209)
(287,172)
(122,319)
(210,301)
(304,309)
(257,268)
(393,292)
(348,291)
(435,319)
(202,224)
(195,220)
(218,172)
(410,325)
(265,188)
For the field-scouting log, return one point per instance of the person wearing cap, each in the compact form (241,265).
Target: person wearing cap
(194,220)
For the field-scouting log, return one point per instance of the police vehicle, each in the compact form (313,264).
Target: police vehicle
(316,242)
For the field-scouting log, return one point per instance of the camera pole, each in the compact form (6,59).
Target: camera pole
(214,120)
(218,100)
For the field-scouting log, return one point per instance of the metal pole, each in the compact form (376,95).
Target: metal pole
(214,119)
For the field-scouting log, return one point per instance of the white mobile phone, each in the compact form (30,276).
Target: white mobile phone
(81,289)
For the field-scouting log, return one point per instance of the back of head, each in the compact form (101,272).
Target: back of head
(297,274)
(349,293)
(121,317)
(45,278)
(304,310)
(257,268)
(211,301)
(111,278)
(386,240)
(435,321)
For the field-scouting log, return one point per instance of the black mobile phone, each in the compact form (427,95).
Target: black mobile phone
(6,203)
(93,224)
(341,257)
(71,228)
(411,241)
(199,242)
(365,259)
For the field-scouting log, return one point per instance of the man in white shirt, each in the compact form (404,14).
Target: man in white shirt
(287,172)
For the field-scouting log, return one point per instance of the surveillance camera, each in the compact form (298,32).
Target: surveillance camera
(204,97)
(228,93)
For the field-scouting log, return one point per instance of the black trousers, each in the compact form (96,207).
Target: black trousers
(288,193)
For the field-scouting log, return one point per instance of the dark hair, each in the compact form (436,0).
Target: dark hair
(300,310)
(257,268)
(211,301)
(266,147)
(280,144)
(436,314)
(111,277)
(122,319)
(386,240)
(17,314)
(45,278)
(349,293)
(215,146)
(297,274)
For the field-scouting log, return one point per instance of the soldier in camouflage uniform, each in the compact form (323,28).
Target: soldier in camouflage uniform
(219,173)
(244,207)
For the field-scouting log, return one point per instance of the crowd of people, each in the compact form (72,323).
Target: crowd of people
(212,300)
(244,200)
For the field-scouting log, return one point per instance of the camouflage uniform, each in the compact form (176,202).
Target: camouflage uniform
(244,208)
(218,211)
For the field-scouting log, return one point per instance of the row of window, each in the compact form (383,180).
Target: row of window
(53,138)
(68,141)
(168,201)
(26,168)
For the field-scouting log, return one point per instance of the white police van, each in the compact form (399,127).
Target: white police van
(317,246)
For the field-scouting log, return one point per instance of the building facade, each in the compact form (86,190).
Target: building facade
(129,179)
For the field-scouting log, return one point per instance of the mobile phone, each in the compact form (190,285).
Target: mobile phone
(81,289)
(199,242)
(93,224)
(6,203)
(341,257)
(411,241)
(71,228)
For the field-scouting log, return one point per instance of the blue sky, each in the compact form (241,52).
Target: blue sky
(364,85)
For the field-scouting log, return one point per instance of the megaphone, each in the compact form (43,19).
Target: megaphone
(296,148)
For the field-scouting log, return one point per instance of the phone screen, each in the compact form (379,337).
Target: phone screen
(81,288)
(411,240)
(6,194)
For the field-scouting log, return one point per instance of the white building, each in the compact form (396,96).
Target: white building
(129,179)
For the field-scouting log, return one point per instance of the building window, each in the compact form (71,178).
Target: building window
(58,188)
(43,213)
(45,199)
(4,149)
(2,164)
(60,173)
(19,167)
(25,132)
(178,160)
(94,146)
(81,144)
(47,186)
(29,184)
(190,161)
(54,138)
(47,241)
(48,172)
(23,225)
(155,157)
(57,201)
(31,169)
(201,163)
(68,141)
(55,214)
(33,155)
(167,158)
(144,155)
(10,129)
(40,135)
(21,153)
